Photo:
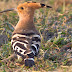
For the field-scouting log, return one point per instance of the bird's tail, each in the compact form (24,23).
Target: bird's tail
(29,62)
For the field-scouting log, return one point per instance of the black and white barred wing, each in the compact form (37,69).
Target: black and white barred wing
(26,46)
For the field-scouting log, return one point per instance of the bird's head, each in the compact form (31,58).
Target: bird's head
(27,7)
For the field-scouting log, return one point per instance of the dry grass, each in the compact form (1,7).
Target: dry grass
(55,27)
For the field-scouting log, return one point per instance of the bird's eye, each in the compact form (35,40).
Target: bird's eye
(21,8)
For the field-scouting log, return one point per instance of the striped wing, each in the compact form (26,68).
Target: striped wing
(26,45)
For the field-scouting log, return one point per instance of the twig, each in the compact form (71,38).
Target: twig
(1,49)
(7,23)
(19,70)
(6,59)
(70,59)
(65,47)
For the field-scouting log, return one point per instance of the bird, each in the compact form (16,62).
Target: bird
(26,39)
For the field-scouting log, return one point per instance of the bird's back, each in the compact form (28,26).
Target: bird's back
(26,45)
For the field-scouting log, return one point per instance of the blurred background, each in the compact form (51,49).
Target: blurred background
(55,27)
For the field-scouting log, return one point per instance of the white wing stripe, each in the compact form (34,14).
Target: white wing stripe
(34,42)
(35,47)
(19,49)
(18,42)
(29,59)
(16,35)
(36,36)
(12,41)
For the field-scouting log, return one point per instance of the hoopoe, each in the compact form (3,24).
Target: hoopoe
(25,38)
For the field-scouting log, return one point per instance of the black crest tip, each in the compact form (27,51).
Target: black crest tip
(42,5)
(48,6)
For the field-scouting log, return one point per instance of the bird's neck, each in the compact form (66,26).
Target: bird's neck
(25,22)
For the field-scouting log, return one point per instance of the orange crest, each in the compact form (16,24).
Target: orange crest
(27,7)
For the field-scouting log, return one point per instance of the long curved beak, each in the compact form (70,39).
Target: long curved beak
(9,10)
